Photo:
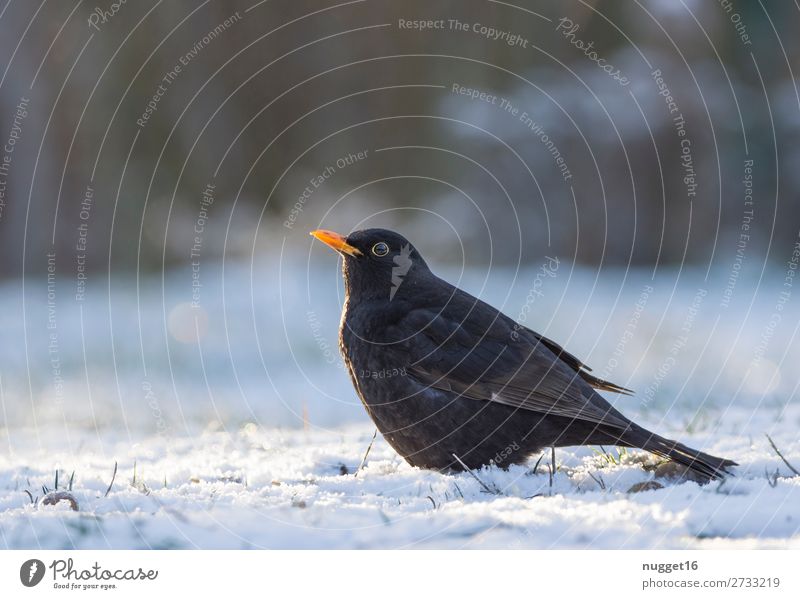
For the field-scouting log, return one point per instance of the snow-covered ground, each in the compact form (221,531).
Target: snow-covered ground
(290,489)
(253,436)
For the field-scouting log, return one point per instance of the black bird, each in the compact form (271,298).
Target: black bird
(451,382)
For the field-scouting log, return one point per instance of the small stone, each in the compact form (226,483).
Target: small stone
(649,485)
(54,498)
(674,471)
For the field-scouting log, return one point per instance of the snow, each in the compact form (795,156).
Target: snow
(257,488)
(253,437)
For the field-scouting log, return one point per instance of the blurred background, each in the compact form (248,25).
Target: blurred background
(619,176)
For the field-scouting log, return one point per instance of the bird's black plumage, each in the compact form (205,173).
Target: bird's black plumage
(442,373)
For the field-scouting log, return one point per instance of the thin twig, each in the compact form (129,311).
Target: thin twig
(475,476)
(536,466)
(601,483)
(780,455)
(772,479)
(458,489)
(113,478)
(364,459)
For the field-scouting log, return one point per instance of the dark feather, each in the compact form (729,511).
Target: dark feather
(479,358)
(582,369)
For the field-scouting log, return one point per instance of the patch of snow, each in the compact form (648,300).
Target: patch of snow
(257,488)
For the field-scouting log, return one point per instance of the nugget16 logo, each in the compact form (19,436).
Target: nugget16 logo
(31,572)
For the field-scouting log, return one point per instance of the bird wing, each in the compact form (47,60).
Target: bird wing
(480,358)
(579,367)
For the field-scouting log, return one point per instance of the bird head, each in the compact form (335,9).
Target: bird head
(377,263)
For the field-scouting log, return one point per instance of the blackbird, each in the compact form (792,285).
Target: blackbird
(452,383)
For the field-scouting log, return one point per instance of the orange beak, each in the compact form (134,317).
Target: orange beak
(336,241)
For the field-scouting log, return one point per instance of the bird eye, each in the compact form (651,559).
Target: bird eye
(380,249)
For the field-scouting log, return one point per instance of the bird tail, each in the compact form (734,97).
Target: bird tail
(708,466)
